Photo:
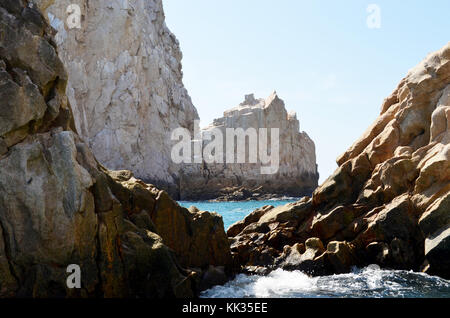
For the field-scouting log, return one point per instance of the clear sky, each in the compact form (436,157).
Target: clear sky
(320,56)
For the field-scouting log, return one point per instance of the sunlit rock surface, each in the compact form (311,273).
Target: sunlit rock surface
(295,174)
(125,85)
(387,203)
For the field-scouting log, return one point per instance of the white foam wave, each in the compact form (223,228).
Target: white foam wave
(368,282)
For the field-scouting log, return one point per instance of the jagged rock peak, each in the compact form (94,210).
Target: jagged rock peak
(297,174)
(251,105)
(250,100)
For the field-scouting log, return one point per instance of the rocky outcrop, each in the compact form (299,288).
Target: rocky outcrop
(387,203)
(127,98)
(198,238)
(125,85)
(296,174)
(59,206)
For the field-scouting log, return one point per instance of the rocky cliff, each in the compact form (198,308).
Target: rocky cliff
(125,85)
(295,172)
(59,206)
(387,203)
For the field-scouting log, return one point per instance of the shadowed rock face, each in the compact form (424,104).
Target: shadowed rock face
(59,206)
(296,174)
(387,203)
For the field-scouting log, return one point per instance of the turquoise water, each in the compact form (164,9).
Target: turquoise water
(370,282)
(233,212)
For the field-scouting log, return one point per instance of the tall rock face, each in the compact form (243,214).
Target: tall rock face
(387,203)
(294,175)
(59,206)
(125,85)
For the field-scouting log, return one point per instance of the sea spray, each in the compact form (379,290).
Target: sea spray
(370,282)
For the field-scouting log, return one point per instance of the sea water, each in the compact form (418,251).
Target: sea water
(233,212)
(370,282)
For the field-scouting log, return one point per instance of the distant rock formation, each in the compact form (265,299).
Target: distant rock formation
(59,206)
(297,173)
(388,202)
(127,96)
(125,85)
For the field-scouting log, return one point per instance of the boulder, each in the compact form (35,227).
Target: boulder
(378,253)
(59,206)
(341,255)
(213,276)
(249,219)
(387,203)
(437,252)
(310,258)
(436,215)
(198,238)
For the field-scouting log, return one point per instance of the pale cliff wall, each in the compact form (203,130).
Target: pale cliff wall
(125,84)
(127,95)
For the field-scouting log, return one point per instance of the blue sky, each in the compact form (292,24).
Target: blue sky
(320,56)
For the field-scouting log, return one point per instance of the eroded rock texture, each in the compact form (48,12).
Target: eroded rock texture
(294,175)
(387,203)
(59,206)
(125,85)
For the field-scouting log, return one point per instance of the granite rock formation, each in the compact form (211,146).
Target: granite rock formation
(125,85)
(386,204)
(297,173)
(59,206)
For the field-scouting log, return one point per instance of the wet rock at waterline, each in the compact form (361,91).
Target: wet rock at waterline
(59,206)
(386,204)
